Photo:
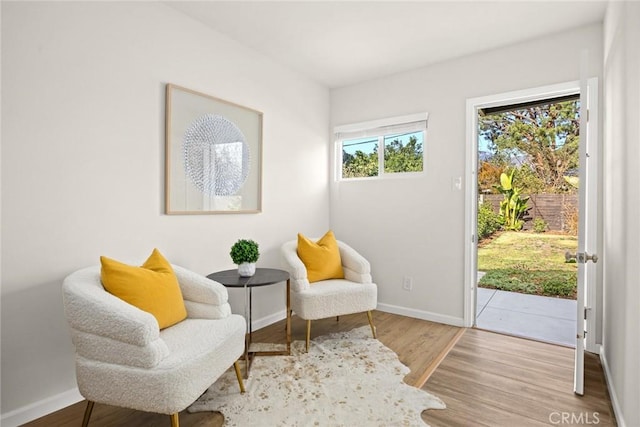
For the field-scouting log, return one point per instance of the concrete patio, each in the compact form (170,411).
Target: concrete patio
(541,318)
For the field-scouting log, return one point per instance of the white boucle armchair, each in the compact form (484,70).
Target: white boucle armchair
(356,293)
(123,359)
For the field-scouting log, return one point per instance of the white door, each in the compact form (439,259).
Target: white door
(587,233)
(586,256)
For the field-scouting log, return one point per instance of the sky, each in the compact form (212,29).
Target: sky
(366,145)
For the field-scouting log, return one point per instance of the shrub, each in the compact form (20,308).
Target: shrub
(244,251)
(539,225)
(488,221)
(562,288)
(508,280)
(538,282)
(513,207)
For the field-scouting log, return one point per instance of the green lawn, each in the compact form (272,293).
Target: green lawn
(527,262)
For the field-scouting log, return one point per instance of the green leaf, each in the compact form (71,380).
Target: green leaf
(505,181)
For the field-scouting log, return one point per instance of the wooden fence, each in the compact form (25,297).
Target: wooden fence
(559,211)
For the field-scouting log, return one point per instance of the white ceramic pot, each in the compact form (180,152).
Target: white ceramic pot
(247,269)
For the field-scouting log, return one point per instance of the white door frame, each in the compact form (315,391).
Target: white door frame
(471,187)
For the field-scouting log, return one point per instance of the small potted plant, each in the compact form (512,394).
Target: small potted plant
(245,254)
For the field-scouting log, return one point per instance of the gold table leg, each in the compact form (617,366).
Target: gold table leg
(288,317)
(249,355)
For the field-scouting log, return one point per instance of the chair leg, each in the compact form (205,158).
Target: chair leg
(373,328)
(308,334)
(337,318)
(175,420)
(240,382)
(87,413)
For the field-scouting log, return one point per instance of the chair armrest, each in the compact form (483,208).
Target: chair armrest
(198,288)
(356,267)
(294,265)
(90,308)
(203,298)
(103,349)
(199,310)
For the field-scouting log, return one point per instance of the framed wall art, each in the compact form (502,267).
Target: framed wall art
(213,155)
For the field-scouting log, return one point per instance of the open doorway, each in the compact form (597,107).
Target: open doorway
(527,181)
(477,300)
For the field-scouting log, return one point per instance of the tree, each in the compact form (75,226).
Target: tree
(397,158)
(403,158)
(488,174)
(541,141)
(359,164)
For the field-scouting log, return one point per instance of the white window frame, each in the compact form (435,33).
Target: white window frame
(380,128)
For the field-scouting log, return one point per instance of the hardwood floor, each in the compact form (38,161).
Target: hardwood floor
(490,379)
(484,379)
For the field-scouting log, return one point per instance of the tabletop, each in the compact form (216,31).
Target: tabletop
(262,277)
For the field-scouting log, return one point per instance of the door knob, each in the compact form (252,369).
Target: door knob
(581,257)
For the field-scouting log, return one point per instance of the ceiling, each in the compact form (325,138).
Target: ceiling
(339,43)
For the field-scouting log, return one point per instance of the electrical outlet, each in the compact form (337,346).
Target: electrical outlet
(407,283)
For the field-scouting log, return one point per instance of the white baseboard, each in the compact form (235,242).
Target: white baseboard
(268,320)
(387,308)
(617,411)
(41,408)
(421,314)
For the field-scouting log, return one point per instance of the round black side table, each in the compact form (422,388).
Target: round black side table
(262,277)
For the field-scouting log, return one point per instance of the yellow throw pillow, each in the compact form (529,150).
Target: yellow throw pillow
(321,258)
(153,287)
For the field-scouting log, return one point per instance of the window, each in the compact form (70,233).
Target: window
(381,148)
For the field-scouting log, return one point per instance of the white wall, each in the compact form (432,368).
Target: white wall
(415,227)
(83,164)
(621,341)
